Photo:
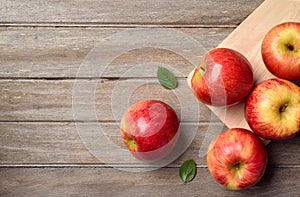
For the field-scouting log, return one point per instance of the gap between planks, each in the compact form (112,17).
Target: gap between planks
(81,165)
(217,122)
(110,25)
(76,78)
(107,165)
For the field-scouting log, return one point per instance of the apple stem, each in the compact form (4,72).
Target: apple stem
(236,166)
(202,69)
(283,107)
(290,47)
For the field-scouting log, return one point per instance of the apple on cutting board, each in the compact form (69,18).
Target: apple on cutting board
(272,110)
(223,77)
(280,50)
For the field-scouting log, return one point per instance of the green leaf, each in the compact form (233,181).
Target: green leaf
(188,170)
(166,78)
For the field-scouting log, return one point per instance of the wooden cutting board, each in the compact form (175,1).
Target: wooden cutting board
(247,39)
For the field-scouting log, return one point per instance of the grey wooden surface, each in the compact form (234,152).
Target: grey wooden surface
(43,44)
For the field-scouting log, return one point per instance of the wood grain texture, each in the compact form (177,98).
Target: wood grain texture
(59,143)
(127,12)
(111,182)
(59,52)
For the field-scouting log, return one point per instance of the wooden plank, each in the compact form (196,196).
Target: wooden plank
(42,143)
(111,182)
(251,33)
(62,143)
(127,12)
(59,52)
(44,100)
(59,143)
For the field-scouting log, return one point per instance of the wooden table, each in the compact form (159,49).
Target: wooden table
(43,45)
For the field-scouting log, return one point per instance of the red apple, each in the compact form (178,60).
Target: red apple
(237,158)
(223,77)
(150,129)
(272,110)
(281,50)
